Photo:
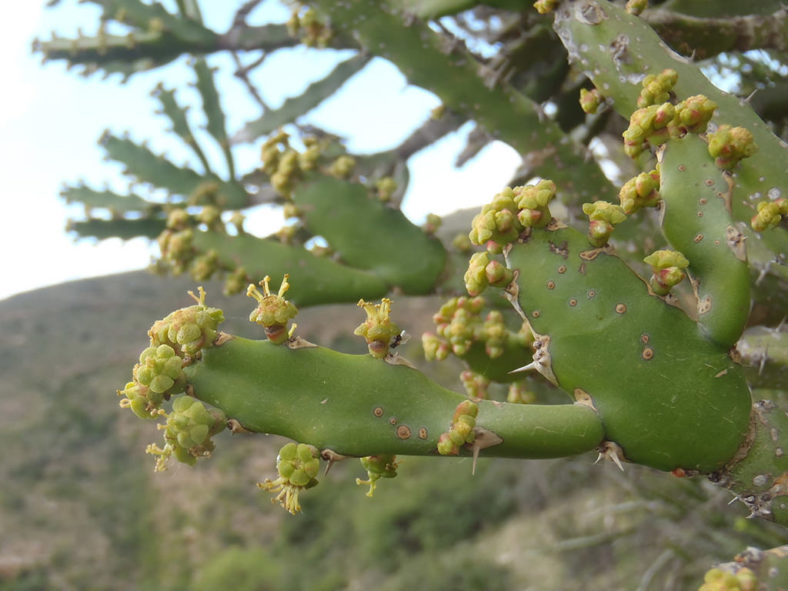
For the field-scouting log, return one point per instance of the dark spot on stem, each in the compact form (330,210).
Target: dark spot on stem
(403,432)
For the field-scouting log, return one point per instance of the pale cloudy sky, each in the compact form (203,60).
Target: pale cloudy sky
(50,121)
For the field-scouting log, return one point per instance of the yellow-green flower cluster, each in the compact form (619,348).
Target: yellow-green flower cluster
(590,100)
(718,579)
(769,215)
(475,384)
(656,124)
(603,217)
(459,326)
(188,432)
(657,88)
(298,466)
(377,467)
(462,428)
(728,145)
(342,167)
(378,329)
(640,191)
(510,212)
(157,376)
(188,330)
(273,312)
(483,272)
(668,270)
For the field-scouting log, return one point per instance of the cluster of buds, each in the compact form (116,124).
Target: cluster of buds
(640,191)
(280,163)
(668,270)
(718,579)
(385,187)
(590,100)
(460,326)
(174,342)
(656,124)
(204,266)
(342,167)
(273,312)
(475,384)
(483,272)
(157,376)
(545,6)
(378,329)
(461,431)
(728,145)
(377,467)
(603,217)
(657,88)
(176,242)
(188,330)
(236,281)
(510,212)
(211,217)
(298,466)
(532,201)
(188,432)
(456,323)
(769,215)
(519,394)
(432,223)
(306,26)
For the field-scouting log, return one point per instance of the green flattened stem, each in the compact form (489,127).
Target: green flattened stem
(369,235)
(356,405)
(760,478)
(696,221)
(668,395)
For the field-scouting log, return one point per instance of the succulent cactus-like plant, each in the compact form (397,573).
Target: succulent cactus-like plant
(646,313)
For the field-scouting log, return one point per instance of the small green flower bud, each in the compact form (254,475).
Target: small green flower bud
(694,114)
(533,200)
(770,214)
(603,217)
(668,268)
(590,100)
(640,191)
(545,6)
(385,187)
(728,145)
(342,167)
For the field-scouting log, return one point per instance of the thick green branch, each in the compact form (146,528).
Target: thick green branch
(356,405)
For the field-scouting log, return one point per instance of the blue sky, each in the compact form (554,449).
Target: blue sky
(51,120)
